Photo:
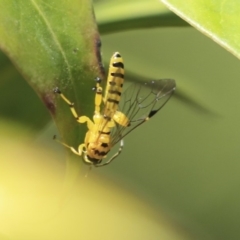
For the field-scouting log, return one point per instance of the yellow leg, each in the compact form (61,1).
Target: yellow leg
(81,119)
(80,148)
(98,96)
(86,119)
(70,104)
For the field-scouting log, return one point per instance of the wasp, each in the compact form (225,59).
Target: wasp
(117,113)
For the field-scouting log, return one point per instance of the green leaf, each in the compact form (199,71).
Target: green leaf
(219,20)
(15,93)
(54,44)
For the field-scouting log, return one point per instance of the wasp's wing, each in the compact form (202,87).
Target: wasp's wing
(140,102)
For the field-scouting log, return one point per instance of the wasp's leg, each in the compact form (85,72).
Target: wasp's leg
(81,119)
(113,157)
(121,119)
(86,119)
(70,104)
(98,96)
(79,152)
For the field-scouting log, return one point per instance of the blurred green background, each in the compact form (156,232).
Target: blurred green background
(185,161)
(187,157)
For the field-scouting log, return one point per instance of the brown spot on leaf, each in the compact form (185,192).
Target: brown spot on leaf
(98,45)
(48,99)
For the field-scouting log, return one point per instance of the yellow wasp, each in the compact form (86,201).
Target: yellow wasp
(121,112)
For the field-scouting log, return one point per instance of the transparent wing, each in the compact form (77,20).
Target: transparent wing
(139,102)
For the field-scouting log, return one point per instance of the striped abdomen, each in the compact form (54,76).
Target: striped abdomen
(114,85)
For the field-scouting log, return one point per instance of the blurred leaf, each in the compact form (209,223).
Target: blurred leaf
(116,16)
(33,205)
(219,20)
